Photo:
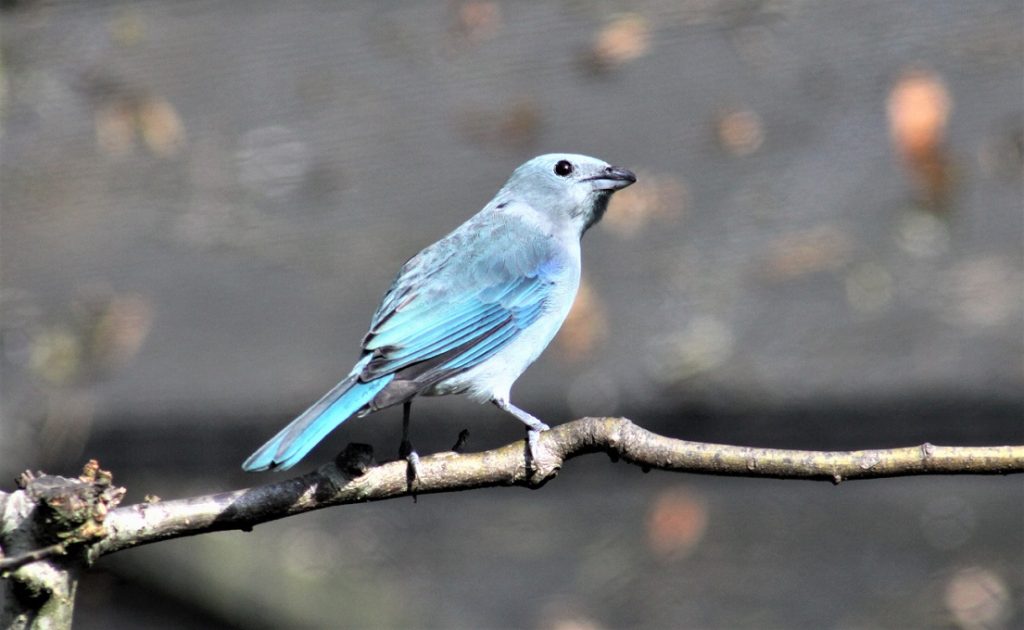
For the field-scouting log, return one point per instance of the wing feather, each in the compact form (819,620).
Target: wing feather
(451,307)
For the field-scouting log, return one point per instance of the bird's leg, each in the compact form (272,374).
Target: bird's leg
(405,450)
(534,426)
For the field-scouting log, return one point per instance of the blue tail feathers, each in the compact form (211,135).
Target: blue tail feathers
(294,441)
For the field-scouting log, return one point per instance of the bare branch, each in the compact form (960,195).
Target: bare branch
(356,480)
(8,564)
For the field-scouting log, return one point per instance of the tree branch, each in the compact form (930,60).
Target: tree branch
(53,527)
(7,564)
(355,478)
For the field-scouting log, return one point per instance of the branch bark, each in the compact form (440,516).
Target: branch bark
(354,478)
(50,561)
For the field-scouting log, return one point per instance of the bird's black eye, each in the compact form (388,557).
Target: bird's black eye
(563,168)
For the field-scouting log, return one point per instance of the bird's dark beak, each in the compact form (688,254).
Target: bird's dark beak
(612,178)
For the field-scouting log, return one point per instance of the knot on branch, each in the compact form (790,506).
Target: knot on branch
(49,513)
(545,467)
(71,510)
(586,435)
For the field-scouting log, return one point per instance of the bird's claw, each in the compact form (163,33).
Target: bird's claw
(413,460)
(533,442)
(460,443)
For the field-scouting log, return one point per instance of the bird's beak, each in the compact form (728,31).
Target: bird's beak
(612,178)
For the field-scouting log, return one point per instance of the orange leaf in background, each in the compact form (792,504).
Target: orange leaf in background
(919,107)
(797,254)
(122,327)
(478,20)
(740,132)
(153,119)
(676,523)
(653,197)
(161,127)
(622,40)
(518,123)
(586,326)
(978,598)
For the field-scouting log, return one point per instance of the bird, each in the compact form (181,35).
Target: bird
(469,314)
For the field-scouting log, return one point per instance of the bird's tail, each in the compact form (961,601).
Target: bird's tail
(292,443)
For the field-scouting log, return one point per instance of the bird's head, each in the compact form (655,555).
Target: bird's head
(569,189)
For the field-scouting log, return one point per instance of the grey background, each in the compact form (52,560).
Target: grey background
(202,204)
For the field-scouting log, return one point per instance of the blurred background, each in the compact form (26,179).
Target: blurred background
(202,204)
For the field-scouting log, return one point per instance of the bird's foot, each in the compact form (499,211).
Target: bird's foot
(460,442)
(533,441)
(412,460)
(534,428)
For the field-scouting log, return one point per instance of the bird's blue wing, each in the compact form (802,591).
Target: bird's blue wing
(458,303)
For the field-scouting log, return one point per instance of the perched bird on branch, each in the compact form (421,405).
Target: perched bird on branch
(471,312)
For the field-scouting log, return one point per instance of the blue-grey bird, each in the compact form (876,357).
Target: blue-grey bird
(471,312)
